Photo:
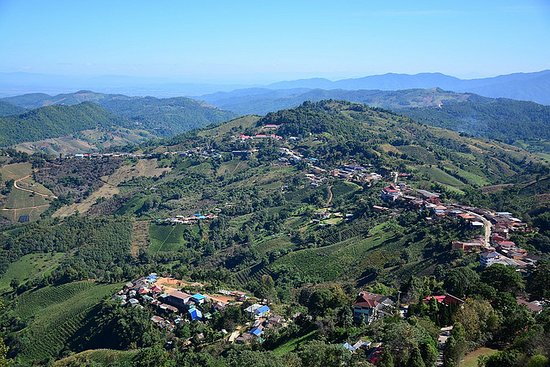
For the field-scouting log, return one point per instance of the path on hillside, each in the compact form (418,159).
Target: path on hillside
(165,239)
(330,196)
(29,190)
(486,225)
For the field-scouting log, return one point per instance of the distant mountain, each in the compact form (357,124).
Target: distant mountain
(521,86)
(261,101)
(161,116)
(504,119)
(7,109)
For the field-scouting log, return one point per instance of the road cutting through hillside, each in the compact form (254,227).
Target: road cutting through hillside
(29,190)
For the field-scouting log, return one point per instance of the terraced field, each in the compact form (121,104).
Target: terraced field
(437,175)
(55,314)
(339,259)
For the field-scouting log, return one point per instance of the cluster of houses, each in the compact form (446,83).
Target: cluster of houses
(207,153)
(325,217)
(355,173)
(497,248)
(182,219)
(500,250)
(369,307)
(171,303)
(260,136)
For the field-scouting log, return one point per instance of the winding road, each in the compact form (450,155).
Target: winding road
(29,190)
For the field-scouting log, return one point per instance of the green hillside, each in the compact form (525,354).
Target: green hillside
(7,109)
(160,116)
(55,121)
(507,120)
(55,314)
(280,219)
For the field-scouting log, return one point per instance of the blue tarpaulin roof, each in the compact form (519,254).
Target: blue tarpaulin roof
(195,314)
(256,331)
(262,310)
(198,297)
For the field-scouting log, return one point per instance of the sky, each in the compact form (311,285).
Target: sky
(265,41)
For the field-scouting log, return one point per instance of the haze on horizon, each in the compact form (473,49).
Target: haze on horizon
(249,42)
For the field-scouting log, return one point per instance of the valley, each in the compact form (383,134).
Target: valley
(324,199)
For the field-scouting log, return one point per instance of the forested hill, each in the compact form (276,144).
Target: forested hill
(7,109)
(161,116)
(504,119)
(55,121)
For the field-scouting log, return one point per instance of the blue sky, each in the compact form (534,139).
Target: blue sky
(262,41)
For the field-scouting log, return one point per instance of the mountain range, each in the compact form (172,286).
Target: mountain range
(504,119)
(534,86)
(522,86)
(47,117)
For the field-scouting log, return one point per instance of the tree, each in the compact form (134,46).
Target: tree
(14,284)
(538,361)
(154,356)
(320,354)
(503,278)
(479,320)
(4,362)
(460,281)
(415,360)
(455,348)
(538,283)
(321,300)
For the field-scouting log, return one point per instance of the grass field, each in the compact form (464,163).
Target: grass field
(140,236)
(101,356)
(273,243)
(15,171)
(55,314)
(292,344)
(29,267)
(470,360)
(232,167)
(166,238)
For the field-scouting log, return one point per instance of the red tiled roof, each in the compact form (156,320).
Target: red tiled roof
(367,299)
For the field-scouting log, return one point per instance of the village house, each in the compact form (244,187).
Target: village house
(446,299)
(369,307)
(474,245)
(178,299)
(390,193)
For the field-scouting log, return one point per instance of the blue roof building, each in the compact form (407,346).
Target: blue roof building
(256,331)
(262,311)
(195,314)
(197,297)
(152,277)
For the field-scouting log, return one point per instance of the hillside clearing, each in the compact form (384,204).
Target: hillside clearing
(143,168)
(29,267)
